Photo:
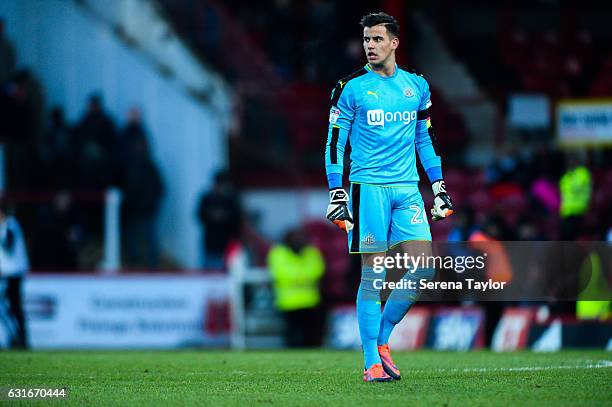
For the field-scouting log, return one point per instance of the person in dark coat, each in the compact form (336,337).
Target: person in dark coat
(220,214)
(143,189)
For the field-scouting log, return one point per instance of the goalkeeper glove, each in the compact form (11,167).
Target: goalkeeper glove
(443,206)
(337,210)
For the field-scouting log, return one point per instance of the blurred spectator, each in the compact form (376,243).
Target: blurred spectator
(503,169)
(546,194)
(296,269)
(528,230)
(59,236)
(95,139)
(464,225)
(55,151)
(21,110)
(490,240)
(15,110)
(7,55)
(14,264)
(142,187)
(575,186)
(220,214)
(127,142)
(250,248)
(498,266)
(285,19)
(342,273)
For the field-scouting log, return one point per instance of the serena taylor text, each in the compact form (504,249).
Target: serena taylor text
(424,284)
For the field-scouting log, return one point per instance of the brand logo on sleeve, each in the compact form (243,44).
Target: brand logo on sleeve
(378,117)
(334,113)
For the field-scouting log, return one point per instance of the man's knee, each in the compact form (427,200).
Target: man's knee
(372,259)
(372,277)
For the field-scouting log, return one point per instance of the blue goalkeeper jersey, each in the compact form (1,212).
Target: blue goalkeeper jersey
(387,121)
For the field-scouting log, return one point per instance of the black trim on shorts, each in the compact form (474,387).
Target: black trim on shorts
(355,202)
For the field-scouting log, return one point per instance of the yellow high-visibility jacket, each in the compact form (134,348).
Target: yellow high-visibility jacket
(296,277)
(575,186)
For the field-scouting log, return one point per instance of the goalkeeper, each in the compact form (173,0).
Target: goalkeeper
(384,109)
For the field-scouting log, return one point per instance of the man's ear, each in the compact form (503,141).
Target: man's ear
(395,42)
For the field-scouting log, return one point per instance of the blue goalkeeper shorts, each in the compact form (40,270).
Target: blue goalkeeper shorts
(385,216)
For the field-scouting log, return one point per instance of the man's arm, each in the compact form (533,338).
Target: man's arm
(426,146)
(341,116)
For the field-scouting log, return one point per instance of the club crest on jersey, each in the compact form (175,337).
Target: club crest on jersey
(368,240)
(408,93)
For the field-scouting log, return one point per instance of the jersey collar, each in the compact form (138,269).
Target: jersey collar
(384,78)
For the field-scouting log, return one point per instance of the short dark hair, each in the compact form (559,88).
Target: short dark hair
(372,19)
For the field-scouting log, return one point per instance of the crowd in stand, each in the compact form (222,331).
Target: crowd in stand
(518,196)
(308,46)
(57,170)
(515,191)
(58,178)
(524,190)
(560,50)
(56,173)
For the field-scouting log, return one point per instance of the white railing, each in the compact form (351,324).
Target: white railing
(111,263)
(243,336)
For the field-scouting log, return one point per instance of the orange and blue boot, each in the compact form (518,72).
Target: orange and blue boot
(376,373)
(387,363)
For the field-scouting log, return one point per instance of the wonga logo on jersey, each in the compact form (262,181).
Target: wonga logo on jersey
(378,117)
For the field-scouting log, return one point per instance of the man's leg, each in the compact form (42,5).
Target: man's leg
(371,211)
(401,300)
(293,329)
(409,235)
(151,244)
(312,327)
(16,310)
(369,308)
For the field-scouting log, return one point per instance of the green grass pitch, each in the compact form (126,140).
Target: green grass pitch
(312,378)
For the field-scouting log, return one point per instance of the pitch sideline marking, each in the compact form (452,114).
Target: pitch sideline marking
(599,365)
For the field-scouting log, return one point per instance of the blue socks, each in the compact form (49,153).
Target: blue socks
(399,303)
(392,315)
(375,327)
(369,314)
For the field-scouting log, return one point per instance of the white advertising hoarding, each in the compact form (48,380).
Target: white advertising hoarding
(585,122)
(157,311)
(529,111)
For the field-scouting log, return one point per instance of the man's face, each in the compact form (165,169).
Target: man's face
(378,44)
